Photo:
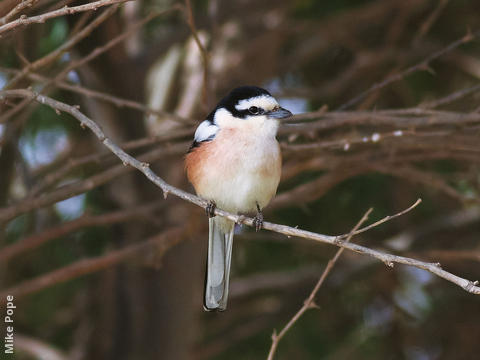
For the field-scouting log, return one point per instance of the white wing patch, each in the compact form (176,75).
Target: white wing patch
(205,130)
(263,101)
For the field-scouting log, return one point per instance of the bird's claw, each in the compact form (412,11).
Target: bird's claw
(258,219)
(210,209)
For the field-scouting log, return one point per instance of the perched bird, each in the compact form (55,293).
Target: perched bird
(235,164)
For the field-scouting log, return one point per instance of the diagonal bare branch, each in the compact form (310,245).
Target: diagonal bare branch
(388,259)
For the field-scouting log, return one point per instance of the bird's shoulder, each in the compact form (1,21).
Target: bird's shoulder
(206,131)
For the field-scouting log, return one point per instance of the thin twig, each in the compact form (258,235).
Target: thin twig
(381,221)
(451,97)
(454,255)
(203,52)
(75,64)
(388,259)
(427,24)
(117,101)
(414,175)
(114,41)
(33,241)
(37,349)
(54,177)
(51,57)
(399,119)
(24,4)
(422,65)
(309,303)
(156,245)
(23,20)
(69,190)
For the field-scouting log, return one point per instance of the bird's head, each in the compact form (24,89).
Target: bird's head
(249,109)
(247,104)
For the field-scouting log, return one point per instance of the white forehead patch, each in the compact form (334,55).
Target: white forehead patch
(265,102)
(205,130)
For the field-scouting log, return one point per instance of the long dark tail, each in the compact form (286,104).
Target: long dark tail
(220,240)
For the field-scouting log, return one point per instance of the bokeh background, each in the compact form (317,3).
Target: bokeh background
(103,267)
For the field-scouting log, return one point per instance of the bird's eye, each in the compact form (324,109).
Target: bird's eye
(254,110)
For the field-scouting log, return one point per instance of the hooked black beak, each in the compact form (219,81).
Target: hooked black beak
(279,113)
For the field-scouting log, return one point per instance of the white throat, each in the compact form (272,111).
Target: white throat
(254,126)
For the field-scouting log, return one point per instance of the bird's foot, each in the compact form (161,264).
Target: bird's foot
(258,219)
(210,209)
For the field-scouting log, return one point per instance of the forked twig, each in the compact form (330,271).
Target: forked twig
(422,65)
(309,303)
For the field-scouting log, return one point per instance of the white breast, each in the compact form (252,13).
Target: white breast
(243,167)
